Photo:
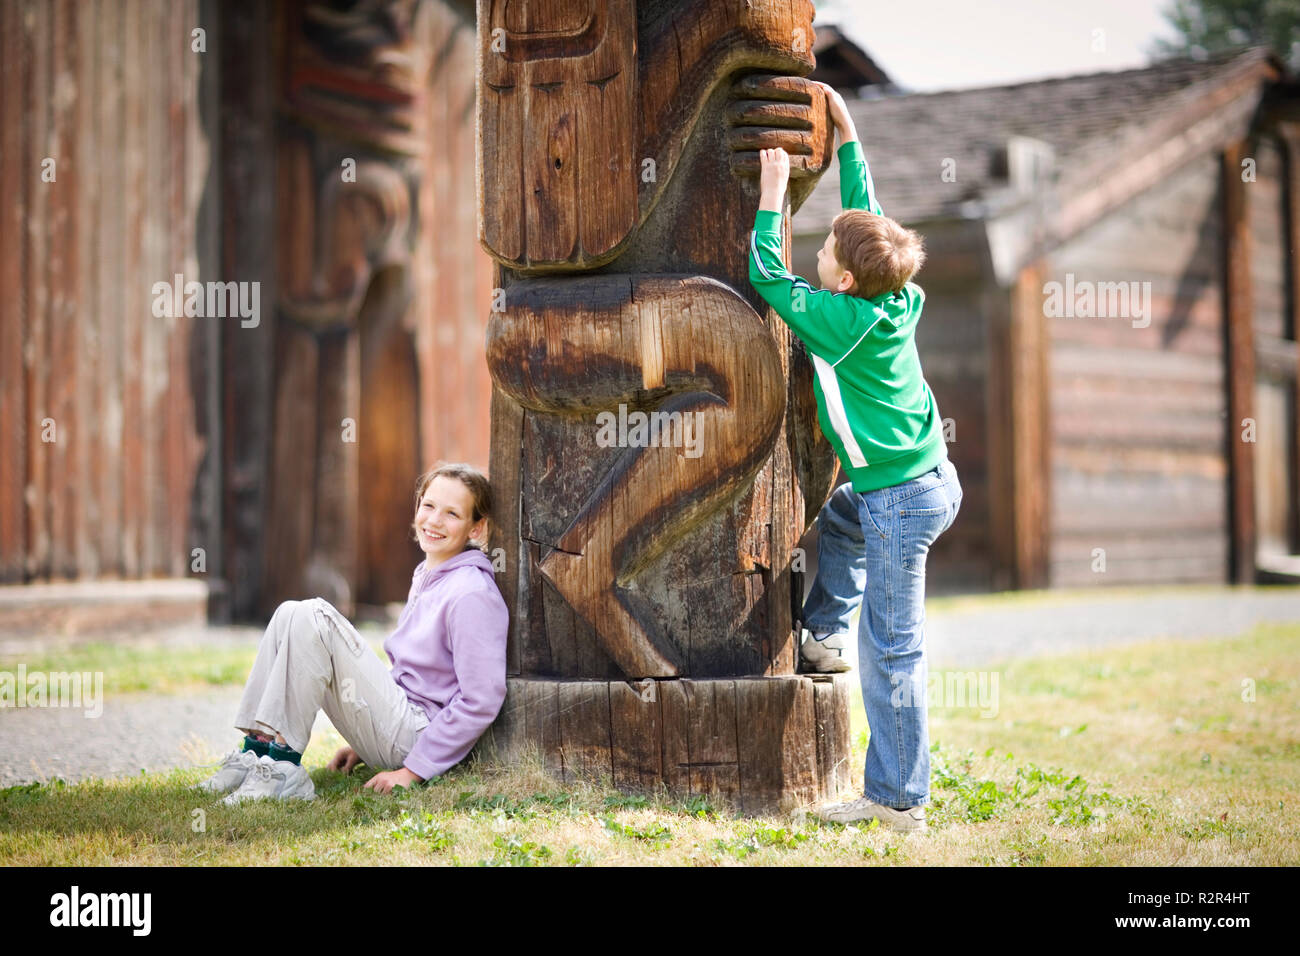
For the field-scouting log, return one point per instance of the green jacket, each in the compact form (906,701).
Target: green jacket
(873,403)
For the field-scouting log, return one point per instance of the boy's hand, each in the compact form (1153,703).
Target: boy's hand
(775,175)
(839,114)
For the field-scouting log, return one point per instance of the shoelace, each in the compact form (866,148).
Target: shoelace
(229,760)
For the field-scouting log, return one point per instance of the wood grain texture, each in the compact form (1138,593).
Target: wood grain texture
(13,298)
(559,83)
(1290,135)
(636,734)
(641,345)
(761,745)
(652,562)
(835,769)
(247,148)
(36,80)
(97,462)
(584,718)
(777,742)
(1138,403)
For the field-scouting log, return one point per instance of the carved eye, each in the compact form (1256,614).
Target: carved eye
(556,20)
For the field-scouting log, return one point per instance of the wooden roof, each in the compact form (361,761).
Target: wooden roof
(1095,124)
(845,65)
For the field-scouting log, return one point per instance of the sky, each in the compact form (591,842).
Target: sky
(928,45)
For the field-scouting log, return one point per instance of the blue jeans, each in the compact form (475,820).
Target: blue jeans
(873,546)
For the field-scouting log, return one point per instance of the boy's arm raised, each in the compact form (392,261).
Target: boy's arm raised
(824,321)
(856,188)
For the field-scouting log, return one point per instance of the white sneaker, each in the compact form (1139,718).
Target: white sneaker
(274,780)
(824,653)
(234,768)
(910,820)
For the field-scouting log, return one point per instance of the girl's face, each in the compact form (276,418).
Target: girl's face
(444,520)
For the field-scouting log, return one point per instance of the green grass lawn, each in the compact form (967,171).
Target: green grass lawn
(1164,754)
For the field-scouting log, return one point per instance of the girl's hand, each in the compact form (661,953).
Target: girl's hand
(344,760)
(384,782)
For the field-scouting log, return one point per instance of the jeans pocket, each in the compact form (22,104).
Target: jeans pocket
(865,509)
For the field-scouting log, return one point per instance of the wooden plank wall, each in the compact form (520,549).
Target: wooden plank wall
(1139,469)
(108,91)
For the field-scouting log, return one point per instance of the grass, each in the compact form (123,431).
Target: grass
(1165,753)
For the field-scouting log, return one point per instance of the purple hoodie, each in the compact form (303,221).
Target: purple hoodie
(449,656)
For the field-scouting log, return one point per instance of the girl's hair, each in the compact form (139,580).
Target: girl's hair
(473,479)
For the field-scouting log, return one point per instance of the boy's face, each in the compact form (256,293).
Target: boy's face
(830,273)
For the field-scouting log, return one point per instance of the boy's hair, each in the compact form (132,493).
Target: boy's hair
(479,490)
(881,255)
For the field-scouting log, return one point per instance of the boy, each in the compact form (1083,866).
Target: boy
(876,409)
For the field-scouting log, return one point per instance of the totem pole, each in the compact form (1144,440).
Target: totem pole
(348,180)
(654,444)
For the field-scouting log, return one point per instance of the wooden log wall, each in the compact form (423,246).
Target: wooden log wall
(102,407)
(1138,446)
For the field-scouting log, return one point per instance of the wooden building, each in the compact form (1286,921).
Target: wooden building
(322,161)
(1110,320)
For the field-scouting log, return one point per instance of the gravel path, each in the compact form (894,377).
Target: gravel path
(978,636)
(154,732)
(135,732)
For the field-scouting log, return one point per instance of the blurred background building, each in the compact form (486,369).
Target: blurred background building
(1154,440)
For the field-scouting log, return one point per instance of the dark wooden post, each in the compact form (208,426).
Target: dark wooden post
(1019,442)
(1290,134)
(1240,354)
(654,445)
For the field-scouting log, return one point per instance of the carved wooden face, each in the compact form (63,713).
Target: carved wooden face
(584,104)
(557,123)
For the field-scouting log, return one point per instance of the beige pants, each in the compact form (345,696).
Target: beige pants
(312,658)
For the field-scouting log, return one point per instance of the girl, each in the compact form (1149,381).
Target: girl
(446,685)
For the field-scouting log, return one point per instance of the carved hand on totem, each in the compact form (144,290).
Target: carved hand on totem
(785,112)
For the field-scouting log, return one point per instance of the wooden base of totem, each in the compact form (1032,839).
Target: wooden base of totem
(763,744)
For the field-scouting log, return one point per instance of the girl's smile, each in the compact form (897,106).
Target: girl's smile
(444,520)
